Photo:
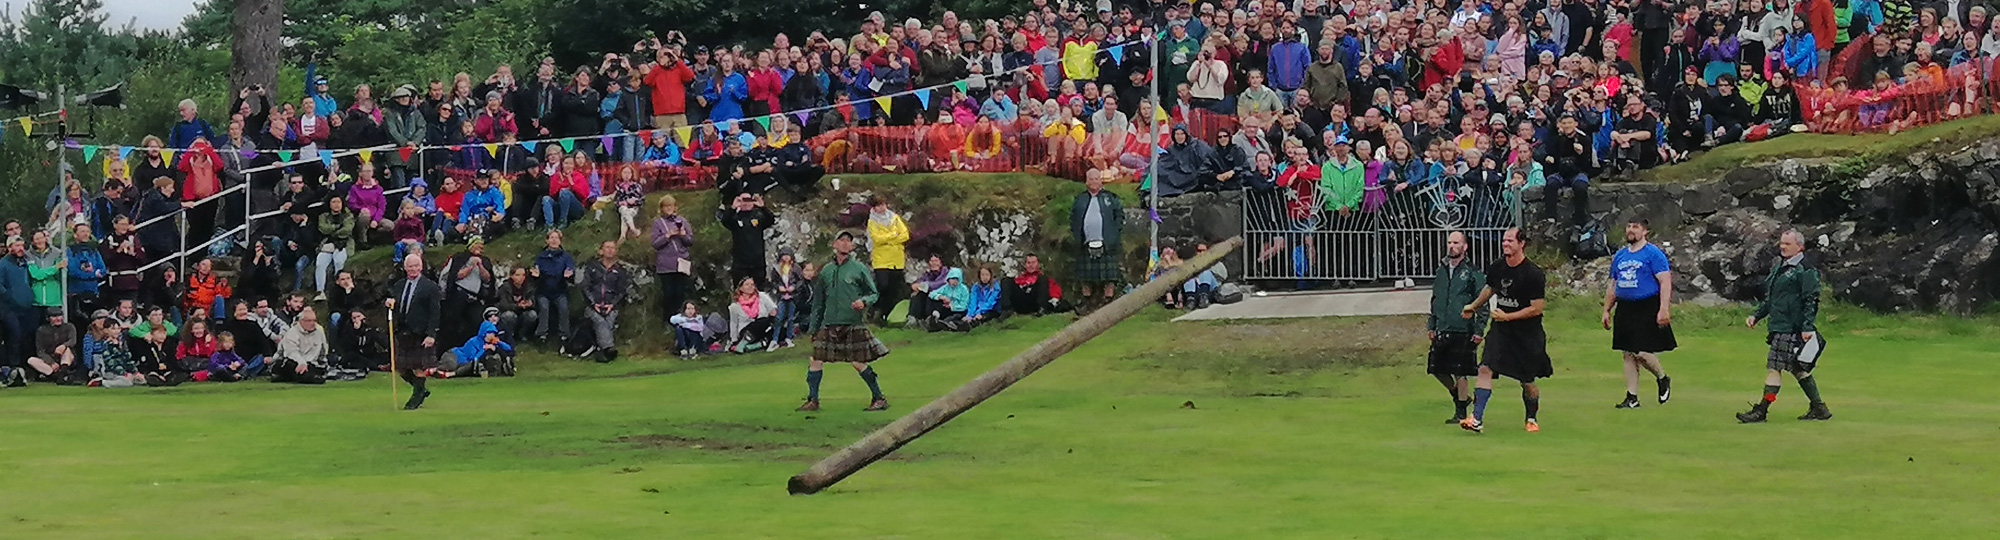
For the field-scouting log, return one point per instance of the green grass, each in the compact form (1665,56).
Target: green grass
(1855,151)
(1301,429)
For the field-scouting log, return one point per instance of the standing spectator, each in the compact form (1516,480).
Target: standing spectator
(1096,223)
(189,128)
(604,283)
(553,270)
(406,127)
(516,300)
(787,278)
(123,259)
(414,301)
(467,280)
(747,218)
(86,271)
(726,92)
(577,111)
(886,235)
(45,266)
(202,168)
(672,238)
(19,315)
(667,78)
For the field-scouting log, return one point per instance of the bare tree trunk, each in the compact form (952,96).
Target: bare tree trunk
(876,445)
(255,29)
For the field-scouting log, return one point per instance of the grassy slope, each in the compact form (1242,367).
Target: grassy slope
(1096,446)
(1864,149)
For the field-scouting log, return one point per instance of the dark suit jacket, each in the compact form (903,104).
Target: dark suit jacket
(417,317)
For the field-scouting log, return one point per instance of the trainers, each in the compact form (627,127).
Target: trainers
(1631,402)
(1817,412)
(1756,414)
(1666,388)
(1471,424)
(1533,426)
(809,406)
(878,405)
(1454,419)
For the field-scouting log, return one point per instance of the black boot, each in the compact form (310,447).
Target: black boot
(1756,414)
(1817,412)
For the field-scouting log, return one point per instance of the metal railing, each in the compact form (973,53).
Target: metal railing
(1392,234)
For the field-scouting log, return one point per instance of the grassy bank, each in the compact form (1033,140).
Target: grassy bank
(1854,152)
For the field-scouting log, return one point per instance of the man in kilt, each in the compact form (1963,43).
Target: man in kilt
(1790,308)
(1637,310)
(1516,346)
(1454,339)
(838,323)
(1095,222)
(416,303)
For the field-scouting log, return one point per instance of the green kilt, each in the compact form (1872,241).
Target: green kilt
(847,344)
(1103,268)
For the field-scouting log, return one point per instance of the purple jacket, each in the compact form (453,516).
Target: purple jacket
(934,280)
(1288,63)
(219,362)
(370,199)
(670,249)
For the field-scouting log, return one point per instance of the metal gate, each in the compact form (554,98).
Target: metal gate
(1391,234)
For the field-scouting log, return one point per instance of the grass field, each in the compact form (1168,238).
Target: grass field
(1300,429)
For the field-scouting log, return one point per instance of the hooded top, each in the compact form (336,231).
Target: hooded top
(475,348)
(954,291)
(1183,164)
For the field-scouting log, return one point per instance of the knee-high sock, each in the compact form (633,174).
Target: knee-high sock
(1771,393)
(416,384)
(1479,397)
(812,384)
(1532,402)
(868,376)
(1811,387)
(1450,386)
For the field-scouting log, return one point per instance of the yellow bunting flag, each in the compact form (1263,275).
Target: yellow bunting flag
(166,156)
(492,149)
(681,134)
(884,103)
(367,156)
(28,126)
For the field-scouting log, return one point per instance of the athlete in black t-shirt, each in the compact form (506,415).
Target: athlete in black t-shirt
(1516,347)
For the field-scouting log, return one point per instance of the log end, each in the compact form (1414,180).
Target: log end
(797,486)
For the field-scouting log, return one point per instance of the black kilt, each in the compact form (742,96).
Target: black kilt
(1454,355)
(847,344)
(1518,350)
(1635,327)
(412,355)
(1103,268)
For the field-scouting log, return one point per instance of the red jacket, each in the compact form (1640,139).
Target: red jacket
(317,134)
(765,86)
(1819,19)
(574,181)
(200,165)
(669,87)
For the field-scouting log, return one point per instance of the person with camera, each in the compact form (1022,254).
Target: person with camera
(667,78)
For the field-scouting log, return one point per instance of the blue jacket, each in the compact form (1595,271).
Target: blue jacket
(958,295)
(669,155)
(79,280)
(1288,65)
(15,293)
(323,105)
(553,263)
(475,348)
(479,201)
(1802,53)
(184,134)
(727,102)
(985,299)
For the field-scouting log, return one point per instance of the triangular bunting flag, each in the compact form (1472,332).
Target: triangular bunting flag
(72,144)
(530,145)
(604,142)
(89,152)
(326,160)
(248,153)
(883,102)
(803,116)
(1117,54)
(568,145)
(367,156)
(764,121)
(405,152)
(284,155)
(166,155)
(924,97)
(123,152)
(454,148)
(728,126)
(961,86)
(681,134)
(492,150)
(645,137)
(28,126)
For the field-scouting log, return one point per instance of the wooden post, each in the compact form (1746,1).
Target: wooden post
(875,446)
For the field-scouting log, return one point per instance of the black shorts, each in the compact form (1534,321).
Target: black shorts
(1635,327)
(1453,355)
(1518,350)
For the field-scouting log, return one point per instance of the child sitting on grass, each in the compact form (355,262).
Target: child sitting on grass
(226,366)
(955,298)
(156,360)
(104,349)
(688,329)
(630,196)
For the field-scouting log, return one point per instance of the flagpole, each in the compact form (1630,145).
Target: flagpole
(61,139)
(1153,157)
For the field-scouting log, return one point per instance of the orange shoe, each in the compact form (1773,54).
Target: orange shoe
(1471,424)
(1534,427)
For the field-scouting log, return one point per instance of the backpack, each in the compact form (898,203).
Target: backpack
(1591,243)
(1228,293)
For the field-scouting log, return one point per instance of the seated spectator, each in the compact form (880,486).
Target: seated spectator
(1197,293)
(251,340)
(985,302)
(482,354)
(569,187)
(688,332)
(367,199)
(259,275)
(106,354)
(752,317)
(302,352)
(1033,293)
(226,366)
(922,305)
(1169,260)
(629,197)
(205,289)
(156,359)
(408,234)
(337,230)
(55,357)
(361,346)
(515,299)
(483,209)
(949,303)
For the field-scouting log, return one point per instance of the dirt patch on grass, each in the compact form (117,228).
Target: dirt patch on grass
(660,441)
(1284,348)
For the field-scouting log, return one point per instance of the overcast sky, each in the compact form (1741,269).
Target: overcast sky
(147,14)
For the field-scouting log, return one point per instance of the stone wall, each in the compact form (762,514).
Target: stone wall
(1915,235)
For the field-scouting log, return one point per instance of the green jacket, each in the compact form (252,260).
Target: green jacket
(337,229)
(1791,299)
(1342,184)
(1455,287)
(406,126)
(45,276)
(838,286)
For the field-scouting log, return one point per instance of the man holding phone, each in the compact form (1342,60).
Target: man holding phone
(667,78)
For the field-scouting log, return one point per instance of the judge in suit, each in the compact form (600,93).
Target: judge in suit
(416,302)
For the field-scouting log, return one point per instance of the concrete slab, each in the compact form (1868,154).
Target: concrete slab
(1364,303)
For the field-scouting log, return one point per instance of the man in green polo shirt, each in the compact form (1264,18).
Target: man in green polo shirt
(1789,311)
(838,324)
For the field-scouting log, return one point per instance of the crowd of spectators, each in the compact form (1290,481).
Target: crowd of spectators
(1329,107)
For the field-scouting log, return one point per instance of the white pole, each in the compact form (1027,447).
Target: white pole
(1153,156)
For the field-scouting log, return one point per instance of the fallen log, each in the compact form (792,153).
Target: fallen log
(875,446)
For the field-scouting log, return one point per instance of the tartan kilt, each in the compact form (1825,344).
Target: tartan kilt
(412,355)
(847,344)
(1100,269)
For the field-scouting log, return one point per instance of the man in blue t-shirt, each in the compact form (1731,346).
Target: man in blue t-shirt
(1637,310)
